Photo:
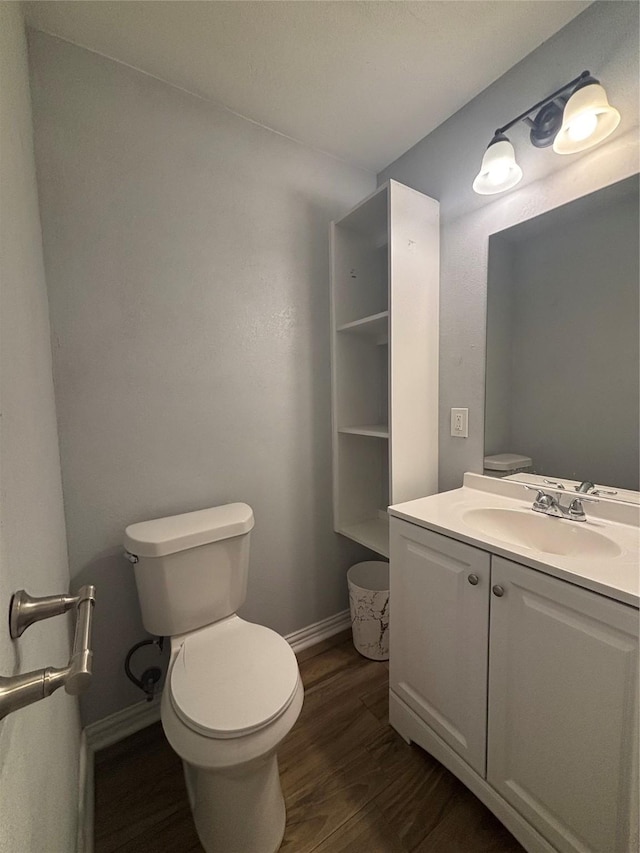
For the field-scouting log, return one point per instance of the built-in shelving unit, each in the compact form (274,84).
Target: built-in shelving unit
(384,298)
(375,327)
(374,431)
(374,533)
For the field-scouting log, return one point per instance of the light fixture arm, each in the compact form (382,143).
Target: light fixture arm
(573,83)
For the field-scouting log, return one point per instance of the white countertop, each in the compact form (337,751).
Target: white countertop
(617,577)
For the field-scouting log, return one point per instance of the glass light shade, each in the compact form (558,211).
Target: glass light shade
(499,170)
(588,119)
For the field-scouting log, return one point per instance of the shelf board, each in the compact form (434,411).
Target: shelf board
(373,430)
(373,534)
(375,327)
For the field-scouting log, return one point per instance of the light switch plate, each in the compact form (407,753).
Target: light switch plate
(460,423)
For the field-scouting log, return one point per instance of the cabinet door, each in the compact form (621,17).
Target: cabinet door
(563,709)
(439,635)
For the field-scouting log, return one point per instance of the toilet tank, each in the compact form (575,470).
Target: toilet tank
(507,464)
(191,569)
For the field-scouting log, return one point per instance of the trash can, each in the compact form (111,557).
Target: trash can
(369,604)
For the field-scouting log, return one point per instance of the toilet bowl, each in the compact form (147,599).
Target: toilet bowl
(233,689)
(233,693)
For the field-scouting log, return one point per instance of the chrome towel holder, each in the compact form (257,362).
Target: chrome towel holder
(18,691)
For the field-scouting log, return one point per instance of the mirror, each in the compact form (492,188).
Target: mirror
(563,353)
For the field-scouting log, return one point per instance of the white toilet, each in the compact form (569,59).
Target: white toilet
(507,464)
(233,690)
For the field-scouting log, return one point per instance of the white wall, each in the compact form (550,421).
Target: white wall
(39,745)
(187,261)
(603,39)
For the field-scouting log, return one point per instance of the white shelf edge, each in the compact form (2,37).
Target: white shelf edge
(356,325)
(373,534)
(376,327)
(383,189)
(371,430)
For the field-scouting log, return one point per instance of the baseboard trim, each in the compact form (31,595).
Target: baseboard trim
(312,634)
(118,726)
(85,797)
(98,735)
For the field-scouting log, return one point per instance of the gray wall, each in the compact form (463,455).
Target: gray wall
(187,262)
(498,402)
(603,39)
(39,746)
(574,357)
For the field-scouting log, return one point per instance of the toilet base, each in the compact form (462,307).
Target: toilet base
(233,783)
(238,810)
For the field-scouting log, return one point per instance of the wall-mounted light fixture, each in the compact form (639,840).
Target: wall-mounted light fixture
(573,118)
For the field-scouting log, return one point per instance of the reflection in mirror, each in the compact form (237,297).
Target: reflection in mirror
(562,369)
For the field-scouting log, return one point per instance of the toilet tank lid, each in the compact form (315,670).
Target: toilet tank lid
(506,461)
(163,536)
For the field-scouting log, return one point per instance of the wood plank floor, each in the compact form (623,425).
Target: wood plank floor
(350,782)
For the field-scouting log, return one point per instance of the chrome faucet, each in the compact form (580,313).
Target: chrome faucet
(589,488)
(551,506)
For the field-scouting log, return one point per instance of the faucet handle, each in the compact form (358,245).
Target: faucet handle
(542,499)
(555,483)
(542,491)
(576,511)
(545,501)
(540,494)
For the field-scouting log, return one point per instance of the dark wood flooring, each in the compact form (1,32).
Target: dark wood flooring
(350,782)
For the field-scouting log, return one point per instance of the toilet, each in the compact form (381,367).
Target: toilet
(507,464)
(233,690)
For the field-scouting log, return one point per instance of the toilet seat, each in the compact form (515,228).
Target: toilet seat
(232,678)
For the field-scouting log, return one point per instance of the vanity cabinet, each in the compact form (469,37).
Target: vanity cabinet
(489,657)
(440,594)
(562,707)
(384,353)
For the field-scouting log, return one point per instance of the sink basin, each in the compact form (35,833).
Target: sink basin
(541,533)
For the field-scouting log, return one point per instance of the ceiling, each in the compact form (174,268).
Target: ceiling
(362,81)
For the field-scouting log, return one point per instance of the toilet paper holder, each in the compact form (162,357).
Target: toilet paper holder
(18,691)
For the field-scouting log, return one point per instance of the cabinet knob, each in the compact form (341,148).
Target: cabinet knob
(498,590)
(473,580)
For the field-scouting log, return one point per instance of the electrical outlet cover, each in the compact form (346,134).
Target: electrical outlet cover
(460,423)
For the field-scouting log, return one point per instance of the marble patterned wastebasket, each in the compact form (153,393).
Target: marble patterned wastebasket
(369,603)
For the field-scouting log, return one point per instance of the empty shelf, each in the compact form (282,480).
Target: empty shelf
(374,430)
(375,327)
(373,534)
